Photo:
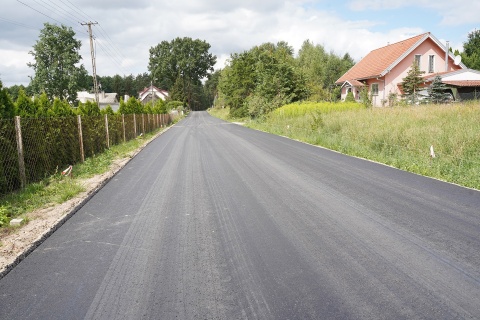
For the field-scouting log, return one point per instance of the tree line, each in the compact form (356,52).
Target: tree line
(252,83)
(41,106)
(268,76)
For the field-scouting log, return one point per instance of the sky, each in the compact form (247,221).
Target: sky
(126,29)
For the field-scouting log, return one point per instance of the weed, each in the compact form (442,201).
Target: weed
(400,137)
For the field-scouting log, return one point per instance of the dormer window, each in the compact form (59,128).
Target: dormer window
(431,64)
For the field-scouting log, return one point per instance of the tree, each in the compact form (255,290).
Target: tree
(237,82)
(14,91)
(437,90)
(7,107)
(211,88)
(88,108)
(261,79)
(25,105)
(56,56)
(41,105)
(181,63)
(412,82)
(133,105)
(471,50)
(321,69)
(60,108)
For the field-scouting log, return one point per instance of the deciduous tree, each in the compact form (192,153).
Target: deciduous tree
(471,50)
(181,60)
(56,66)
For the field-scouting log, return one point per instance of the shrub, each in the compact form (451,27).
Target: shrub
(349,97)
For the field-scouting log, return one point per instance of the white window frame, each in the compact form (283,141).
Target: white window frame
(431,63)
(418,59)
(374,89)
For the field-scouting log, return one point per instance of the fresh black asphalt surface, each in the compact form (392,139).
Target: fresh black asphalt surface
(216,221)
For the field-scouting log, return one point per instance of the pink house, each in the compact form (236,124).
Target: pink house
(383,69)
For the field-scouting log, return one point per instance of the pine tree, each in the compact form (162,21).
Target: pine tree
(437,90)
(413,82)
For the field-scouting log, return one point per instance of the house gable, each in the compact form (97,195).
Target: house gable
(146,94)
(379,62)
(384,69)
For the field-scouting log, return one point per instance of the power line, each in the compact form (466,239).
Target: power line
(68,11)
(59,8)
(39,11)
(19,24)
(78,10)
(44,14)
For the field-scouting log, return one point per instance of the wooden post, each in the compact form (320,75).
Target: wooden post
(106,131)
(143,123)
(123,125)
(21,158)
(134,125)
(80,138)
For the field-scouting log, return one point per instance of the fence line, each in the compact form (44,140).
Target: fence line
(32,149)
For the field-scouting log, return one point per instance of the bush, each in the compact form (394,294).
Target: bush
(241,112)
(4,216)
(349,97)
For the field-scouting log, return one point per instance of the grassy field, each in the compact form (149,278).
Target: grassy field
(400,137)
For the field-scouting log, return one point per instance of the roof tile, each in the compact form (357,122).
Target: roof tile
(378,60)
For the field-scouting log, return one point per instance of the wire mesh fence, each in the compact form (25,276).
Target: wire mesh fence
(32,149)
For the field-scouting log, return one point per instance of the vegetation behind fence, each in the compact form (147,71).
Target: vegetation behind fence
(32,149)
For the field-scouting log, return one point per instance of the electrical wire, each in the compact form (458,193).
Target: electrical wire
(19,24)
(72,14)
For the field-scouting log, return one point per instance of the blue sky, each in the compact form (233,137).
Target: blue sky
(128,29)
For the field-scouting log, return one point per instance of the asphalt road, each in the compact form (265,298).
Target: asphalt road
(216,221)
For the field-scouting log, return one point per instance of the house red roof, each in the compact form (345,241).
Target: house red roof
(463,83)
(379,60)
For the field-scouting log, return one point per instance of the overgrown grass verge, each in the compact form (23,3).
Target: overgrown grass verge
(224,114)
(57,189)
(400,137)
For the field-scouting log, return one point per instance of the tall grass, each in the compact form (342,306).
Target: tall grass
(400,137)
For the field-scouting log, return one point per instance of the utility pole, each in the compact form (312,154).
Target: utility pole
(92,52)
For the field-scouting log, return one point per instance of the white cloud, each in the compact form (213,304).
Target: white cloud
(229,26)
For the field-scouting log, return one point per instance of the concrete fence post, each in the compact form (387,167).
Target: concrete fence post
(134,125)
(80,138)
(21,157)
(106,132)
(123,125)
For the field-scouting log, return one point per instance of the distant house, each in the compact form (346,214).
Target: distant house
(104,99)
(382,70)
(152,93)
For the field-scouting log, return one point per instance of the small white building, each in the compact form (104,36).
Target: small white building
(152,93)
(104,99)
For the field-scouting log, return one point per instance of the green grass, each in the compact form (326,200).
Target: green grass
(224,114)
(400,137)
(57,189)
